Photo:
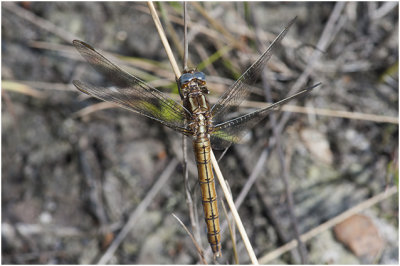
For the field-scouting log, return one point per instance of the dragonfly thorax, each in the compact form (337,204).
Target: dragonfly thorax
(191,83)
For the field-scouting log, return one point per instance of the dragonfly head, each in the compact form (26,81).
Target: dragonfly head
(190,81)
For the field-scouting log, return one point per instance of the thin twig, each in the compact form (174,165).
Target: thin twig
(188,194)
(199,250)
(189,200)
(176,40)
(329,224)
(327,112)
(250,181)
(164,40)
(139,211)
(185,39)
(234,211)
(232,234)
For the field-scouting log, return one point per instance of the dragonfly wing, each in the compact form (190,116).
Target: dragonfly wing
(233,97)
(233,130)
(130,92)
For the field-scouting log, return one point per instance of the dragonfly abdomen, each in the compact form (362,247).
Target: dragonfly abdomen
(202,147)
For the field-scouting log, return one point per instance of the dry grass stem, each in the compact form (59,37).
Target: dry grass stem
(171,30)
(329,224)
(231,233)
(234,211)
(177,75)
(185,37)
(139,211)
(22,88)
(164,39)
(345,114)
(214,162)
(326,112)
(189,200)
(198,248)
(188,195)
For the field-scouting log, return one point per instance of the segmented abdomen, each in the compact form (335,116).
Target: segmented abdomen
(202,148)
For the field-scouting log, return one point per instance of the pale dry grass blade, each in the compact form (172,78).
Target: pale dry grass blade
(170,29)
(234,211)
(231,233)
(188,194)
(327,112)
(22,88)
(220,177)
(185,37)
(164,39)
(198,248)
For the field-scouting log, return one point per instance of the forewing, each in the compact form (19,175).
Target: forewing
(233,97)
(233,130)
(130,92)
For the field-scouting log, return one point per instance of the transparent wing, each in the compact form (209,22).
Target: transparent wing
(233,130)
(130,92)
(233,97)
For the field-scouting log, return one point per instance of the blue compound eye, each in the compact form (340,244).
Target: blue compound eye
(200,76)
(185,78)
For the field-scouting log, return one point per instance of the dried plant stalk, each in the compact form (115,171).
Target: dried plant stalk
(218,173)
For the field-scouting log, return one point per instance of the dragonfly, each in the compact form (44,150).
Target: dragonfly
(207,126)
